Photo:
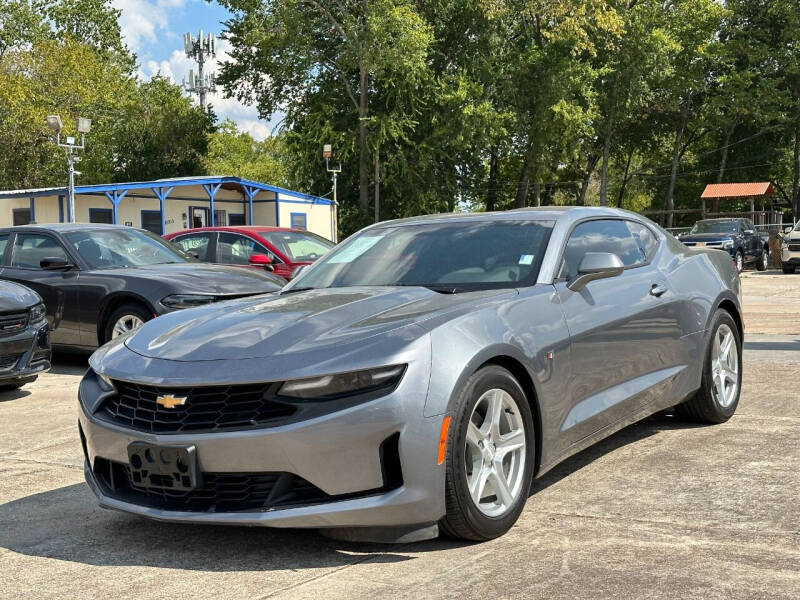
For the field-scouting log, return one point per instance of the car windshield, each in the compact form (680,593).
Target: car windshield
(298,246)
(114,248)
(715,227)
(447,256)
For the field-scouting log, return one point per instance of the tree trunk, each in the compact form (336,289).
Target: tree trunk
(796,171)
(521,200)
(363,158)
(676,159)
(591,163)
(621,193)
(549,188)
(723,161)
(606,155)
(377,186)
(537,194)
(491,193)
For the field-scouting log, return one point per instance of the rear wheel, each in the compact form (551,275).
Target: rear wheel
(788,269)
(490,457)
(718,396)
(763,262)
(124,319)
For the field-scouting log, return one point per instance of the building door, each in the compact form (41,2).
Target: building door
(199,217)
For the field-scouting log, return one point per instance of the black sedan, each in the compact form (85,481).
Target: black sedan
(100,281)
(24,339)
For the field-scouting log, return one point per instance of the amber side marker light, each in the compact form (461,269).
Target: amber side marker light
(443,440)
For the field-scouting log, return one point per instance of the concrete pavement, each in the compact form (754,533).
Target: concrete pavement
(660,510)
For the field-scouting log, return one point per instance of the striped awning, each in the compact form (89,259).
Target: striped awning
(738,190)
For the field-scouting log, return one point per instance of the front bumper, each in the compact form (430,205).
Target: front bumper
(26,353)
(788,256)
(338,453)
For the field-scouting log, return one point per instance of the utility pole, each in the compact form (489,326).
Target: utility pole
(326,154)
(200,49)
(83,126)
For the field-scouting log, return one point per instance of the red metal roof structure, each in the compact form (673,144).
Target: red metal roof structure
(738,190)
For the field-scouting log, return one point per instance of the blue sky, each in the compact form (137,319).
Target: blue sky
(154,29)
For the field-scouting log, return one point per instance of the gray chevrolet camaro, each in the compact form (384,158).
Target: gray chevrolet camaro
(417,378)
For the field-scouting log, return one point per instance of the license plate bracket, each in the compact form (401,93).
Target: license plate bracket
(163,467)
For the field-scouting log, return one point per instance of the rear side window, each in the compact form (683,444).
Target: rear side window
(605,235)
(3,244)
(31,248)
(644,238)
(194,242)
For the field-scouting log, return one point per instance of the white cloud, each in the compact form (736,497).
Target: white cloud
(143,21)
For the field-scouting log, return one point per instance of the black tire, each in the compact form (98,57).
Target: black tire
(130,309)
(738,261)
(15,385)
(464,520)
(788,269)
(763,261)
(703,407)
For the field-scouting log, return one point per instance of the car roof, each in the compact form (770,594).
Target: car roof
(539,213)
(723,219)
(67,227)
(240,229)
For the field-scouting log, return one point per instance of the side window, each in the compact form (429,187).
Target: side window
(31,248)
(194,242)
(644,238)
(235,249)
(607,235)
(3,244)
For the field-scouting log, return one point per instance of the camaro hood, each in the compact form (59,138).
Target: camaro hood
(203,278)
(319,320)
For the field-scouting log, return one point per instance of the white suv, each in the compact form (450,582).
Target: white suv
(790,248)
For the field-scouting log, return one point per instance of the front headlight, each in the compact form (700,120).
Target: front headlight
(327,387)
(37,313)
(187,300)
(727,244)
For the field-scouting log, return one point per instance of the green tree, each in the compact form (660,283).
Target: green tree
(234,152)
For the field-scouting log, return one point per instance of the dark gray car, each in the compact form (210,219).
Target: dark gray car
(415,379)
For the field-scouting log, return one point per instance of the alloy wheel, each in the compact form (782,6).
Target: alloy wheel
(125,324)
(724,366)
(739,262)
(495,452)
(765,259)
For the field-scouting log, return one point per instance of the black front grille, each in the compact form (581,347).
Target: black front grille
(9,361)
(217,492)
(13,323)
(211,408)
(794,247)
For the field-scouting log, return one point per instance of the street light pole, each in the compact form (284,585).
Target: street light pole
(326,154)
(83,125)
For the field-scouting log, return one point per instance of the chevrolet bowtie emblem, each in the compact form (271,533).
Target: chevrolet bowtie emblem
(170,401)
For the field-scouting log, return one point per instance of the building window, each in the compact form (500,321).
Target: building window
(101,215)
(299,221)
(236,219)
(22,216)
(220,218)
(151,221)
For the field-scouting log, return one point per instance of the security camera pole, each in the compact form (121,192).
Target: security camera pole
(83,126)
(200,48)
(326,154)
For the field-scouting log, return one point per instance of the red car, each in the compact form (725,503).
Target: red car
(256,247)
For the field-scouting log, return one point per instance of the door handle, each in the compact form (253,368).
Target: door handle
(657,290)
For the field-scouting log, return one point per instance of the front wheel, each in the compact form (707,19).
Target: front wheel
(763,262)
(124,319)
(721,384)
(490,457)
(739,261)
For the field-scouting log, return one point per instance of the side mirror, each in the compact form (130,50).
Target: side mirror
(596,265)
(261,260)
(297,271)
(787,230)
(55,264)
(749,231)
